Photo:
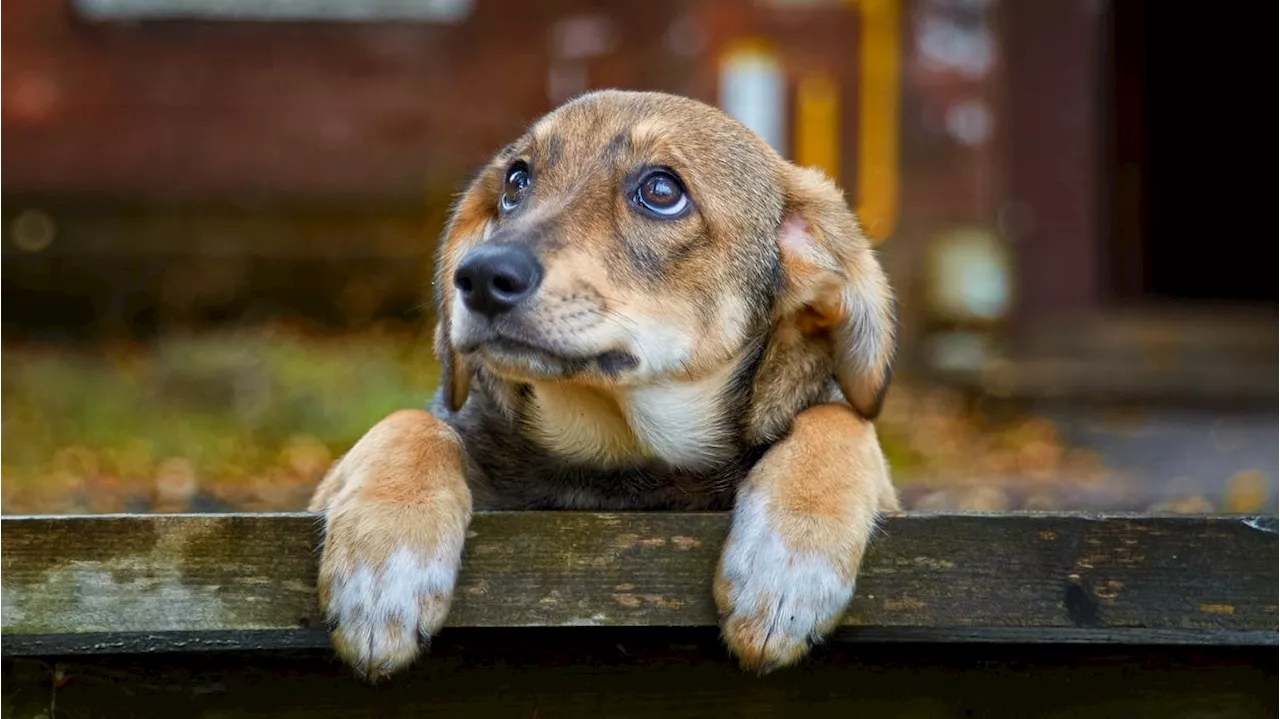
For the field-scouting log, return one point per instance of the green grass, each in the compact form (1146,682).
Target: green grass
(234,405)
(251,419)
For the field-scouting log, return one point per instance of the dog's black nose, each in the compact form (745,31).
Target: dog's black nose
(494,278)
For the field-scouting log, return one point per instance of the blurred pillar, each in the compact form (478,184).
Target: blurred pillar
(1054,118)
(818,123)
(879,116)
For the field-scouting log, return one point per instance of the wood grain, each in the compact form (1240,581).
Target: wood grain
(196,582)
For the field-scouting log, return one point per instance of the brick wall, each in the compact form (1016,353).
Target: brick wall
(176,110)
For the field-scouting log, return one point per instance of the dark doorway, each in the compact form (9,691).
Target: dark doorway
(1188,156)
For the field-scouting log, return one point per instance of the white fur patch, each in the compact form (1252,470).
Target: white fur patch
(864,343)
(581,423)
(662,347)
(383,611)
(682,422)
(789,596)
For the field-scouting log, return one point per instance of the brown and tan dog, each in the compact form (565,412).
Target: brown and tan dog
(642,306)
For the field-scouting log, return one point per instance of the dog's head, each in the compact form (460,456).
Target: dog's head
(632,240)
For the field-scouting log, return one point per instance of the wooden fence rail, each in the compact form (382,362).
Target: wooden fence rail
(548,590)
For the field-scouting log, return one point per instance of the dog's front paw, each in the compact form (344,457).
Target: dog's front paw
(396,510)
(385,587)
(778,592)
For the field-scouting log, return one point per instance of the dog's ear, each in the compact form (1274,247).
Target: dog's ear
(468,224)
(835,290)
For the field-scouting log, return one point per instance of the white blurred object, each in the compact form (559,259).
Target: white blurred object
(970,122)
(447,11)
(581,36)
(957,36)
(969,276)
(751,90)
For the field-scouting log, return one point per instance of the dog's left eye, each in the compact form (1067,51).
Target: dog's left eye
(662,194)
(516,184)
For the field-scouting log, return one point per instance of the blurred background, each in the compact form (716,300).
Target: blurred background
(219,219)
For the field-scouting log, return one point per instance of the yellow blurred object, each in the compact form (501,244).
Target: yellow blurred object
(1195,504)
(175,485)
(879,90)
(306,456)
(985,499)
(1246,491)
(818,123)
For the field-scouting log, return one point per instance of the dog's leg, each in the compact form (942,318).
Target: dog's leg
(396,510)
(801,523)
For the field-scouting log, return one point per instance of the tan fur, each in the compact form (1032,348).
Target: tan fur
(767,274)
(585,423)
(613,426)
(402,486)
(822,487)
(834,277)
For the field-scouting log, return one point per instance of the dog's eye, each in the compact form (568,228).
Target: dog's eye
(516,184)
(661,194)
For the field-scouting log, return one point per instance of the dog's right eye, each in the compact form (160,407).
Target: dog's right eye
(516,184)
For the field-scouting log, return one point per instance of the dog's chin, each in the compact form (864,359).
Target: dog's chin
(520,361)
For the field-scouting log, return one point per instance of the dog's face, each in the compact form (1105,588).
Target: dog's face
(625,239)
(633,240)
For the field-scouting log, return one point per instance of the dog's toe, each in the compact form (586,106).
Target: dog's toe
(777,601)
(772,622)
(384,612)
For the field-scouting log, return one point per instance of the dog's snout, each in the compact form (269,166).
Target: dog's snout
(492,279)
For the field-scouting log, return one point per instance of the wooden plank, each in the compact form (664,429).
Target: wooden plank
(657,673)
(177,582)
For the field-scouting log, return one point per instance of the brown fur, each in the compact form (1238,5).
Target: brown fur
(662,363)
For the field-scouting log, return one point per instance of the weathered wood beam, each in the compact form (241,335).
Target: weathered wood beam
(247,581)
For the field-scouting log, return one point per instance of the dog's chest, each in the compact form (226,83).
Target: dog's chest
(516,463)
(539,480)
(681,425)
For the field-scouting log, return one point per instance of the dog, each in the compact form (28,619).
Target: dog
(641,306)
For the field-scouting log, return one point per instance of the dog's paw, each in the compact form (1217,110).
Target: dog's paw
(386,593)
(777,599)
(396,510)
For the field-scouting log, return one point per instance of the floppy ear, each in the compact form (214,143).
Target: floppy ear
(835,290)
(467,225)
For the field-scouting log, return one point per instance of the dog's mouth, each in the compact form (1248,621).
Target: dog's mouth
(520,358)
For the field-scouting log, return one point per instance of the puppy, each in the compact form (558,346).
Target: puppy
(641,306)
